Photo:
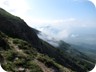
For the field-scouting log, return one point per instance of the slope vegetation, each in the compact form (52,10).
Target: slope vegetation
(19,56)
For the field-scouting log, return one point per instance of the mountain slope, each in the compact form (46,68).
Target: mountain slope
(16,28)
(18,56)
(69,51)
(87,49)
(73,51)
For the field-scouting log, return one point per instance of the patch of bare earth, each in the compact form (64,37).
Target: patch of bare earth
(45,68)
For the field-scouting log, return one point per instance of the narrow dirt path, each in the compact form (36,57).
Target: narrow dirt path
(16,48)
(44,67)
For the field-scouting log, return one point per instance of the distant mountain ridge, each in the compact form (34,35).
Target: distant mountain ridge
(66,47)
(70,49)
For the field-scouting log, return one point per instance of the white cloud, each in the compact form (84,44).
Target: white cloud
(16,7)
(43,21)
(74,35)
(62,34)
(53,23)
(55,28)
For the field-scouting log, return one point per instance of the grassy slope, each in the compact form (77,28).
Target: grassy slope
(78,56)
(79,64)
(19,55)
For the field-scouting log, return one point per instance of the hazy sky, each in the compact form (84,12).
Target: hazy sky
(62,19)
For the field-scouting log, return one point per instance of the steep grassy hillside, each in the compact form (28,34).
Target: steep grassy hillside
(18,55)
(23,47)
(70,54)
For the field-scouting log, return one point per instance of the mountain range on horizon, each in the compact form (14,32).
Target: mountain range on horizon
(21,49)
(86,48)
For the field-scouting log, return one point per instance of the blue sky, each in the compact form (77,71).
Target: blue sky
(62,19)
(61,9)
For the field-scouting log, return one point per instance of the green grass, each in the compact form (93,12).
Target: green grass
(49,62)
(14,59)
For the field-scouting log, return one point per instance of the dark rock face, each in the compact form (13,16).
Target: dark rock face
(17,28)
